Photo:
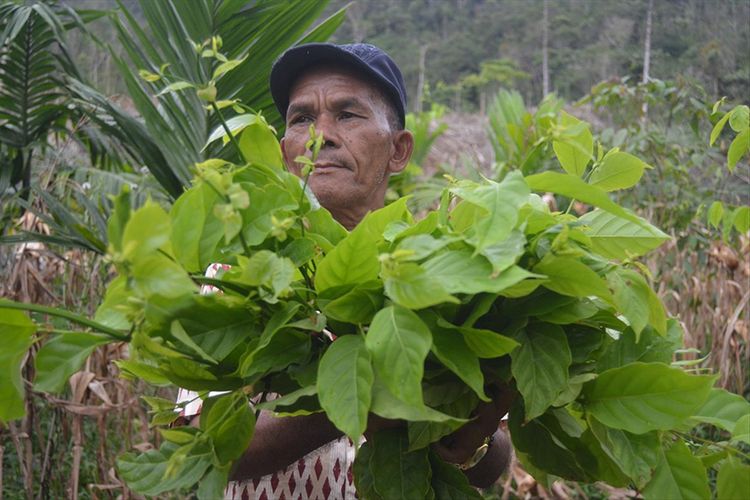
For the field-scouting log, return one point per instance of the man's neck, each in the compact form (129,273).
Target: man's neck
(349,217)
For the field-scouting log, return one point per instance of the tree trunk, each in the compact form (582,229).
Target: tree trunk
(646,57)
(545,47)
(420,80)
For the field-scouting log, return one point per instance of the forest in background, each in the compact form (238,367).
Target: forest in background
(460,49)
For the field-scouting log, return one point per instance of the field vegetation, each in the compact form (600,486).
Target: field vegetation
(118,116)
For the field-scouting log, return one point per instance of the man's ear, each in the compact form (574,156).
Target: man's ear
(403,146)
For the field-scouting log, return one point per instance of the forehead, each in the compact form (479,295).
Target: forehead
(333,78)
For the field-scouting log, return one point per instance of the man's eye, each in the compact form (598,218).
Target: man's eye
(346,115)
(301,119)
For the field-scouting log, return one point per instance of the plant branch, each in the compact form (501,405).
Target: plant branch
(232,138)
(53,311)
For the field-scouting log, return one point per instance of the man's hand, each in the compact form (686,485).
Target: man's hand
(460,446)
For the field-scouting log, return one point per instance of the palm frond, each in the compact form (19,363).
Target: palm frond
(29,95)
(173,128)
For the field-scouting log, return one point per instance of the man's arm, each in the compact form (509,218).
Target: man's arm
(495,462)
(280,441)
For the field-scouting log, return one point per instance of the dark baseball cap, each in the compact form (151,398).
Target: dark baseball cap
(373,63)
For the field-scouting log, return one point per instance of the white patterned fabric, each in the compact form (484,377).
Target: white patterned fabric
(323,474)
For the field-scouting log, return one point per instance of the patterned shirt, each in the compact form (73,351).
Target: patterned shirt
(323,474)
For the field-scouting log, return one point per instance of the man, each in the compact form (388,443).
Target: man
(354,95)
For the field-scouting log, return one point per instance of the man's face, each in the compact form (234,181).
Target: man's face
(360,147)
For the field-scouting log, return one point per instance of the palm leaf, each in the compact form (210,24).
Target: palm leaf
(172,130)
(29,94)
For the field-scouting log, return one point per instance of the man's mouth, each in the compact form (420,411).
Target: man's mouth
(321,167)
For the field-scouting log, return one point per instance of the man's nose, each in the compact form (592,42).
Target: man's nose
(328,127)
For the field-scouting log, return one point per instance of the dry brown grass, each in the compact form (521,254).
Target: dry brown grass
(62,438)
(709,291)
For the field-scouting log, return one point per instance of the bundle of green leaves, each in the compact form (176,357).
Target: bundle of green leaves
(492,287)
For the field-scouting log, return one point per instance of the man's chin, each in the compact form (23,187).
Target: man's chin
(331,194)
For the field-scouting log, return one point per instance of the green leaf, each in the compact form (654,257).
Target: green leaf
(146,473)
(142,371)
(575,188)
(399,342)
(264,203)
(741,219)
(112,312)
(569,276)
(387,405)
(400,473)
(678,475)
(299,251)
(190,374)
(355,259)
(737,149)
(356,305)
(288,399)
(715,213)
(174,87)
(235,124)
(451,349)
(259,145)
(501,201)
(739,118)
(732,481)
(119,218)
(16,331)
(345,379)
(283,349)
(537,447)
(323,224)
(458,271)
(504,254)
(574,151)
(213,484)
(230,423)
(540,366)
(716,131)
(422,245)
(633,297)
(157,274)
(618,238)
(618,170)
(273,275)
(723,409)
(62,356)
(741,430)
(227,66)
(410,285)
(196,232)
(179,333)
(651,347)
(363,475)
(635,454)
(486,343)
(216,323)
(147,230)
(449,483)
(641,397)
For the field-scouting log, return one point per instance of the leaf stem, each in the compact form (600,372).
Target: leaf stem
(53,311)
(232,138)
(730,449)
(302,197)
